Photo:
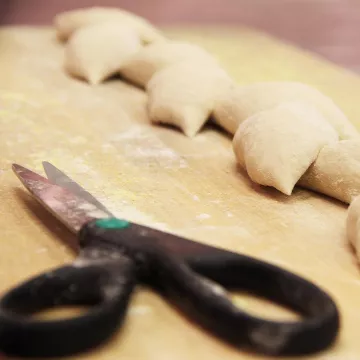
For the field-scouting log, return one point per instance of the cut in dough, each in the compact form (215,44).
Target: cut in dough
(66,23)
(142,66)
(185,94)
(97,51)
(277,146)
(336,171)
(353,225)
(244,101)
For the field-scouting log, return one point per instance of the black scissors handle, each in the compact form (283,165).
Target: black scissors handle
(193,276)
(104,288)
(209,304)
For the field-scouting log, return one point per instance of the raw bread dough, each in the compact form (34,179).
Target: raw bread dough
(244,101)
(154,57)
(185,94)
(95,52)
(353,225)
(277,146)
(67,22)
(336,171)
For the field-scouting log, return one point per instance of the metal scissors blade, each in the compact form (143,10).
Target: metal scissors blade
(72,210)
(59,178)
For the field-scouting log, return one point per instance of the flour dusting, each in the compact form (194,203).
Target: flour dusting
(217,201)
(160,226)
(122,210)
(41,250)
(203,216)
(138,143)
(136,132)
(78,140)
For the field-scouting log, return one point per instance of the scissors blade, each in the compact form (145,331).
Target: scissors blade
(72,210)
(59,178)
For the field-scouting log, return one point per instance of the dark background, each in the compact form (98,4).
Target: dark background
(328,27)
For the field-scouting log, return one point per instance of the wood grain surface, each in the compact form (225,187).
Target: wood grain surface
(154,175)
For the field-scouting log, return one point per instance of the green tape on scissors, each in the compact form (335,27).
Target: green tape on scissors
(112,223)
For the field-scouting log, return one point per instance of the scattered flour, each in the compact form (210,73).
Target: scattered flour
(203,216)
(41,250)
(138,143)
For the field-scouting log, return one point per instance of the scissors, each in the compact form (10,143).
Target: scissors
(115,255)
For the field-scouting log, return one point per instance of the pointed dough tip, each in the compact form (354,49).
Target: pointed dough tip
(190,133)
(286,188)
(95,79)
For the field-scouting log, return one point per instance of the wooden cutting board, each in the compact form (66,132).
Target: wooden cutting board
(154,175)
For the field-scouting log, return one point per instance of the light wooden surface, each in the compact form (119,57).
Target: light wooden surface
(101,137)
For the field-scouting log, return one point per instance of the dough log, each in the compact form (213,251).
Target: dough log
(185,94)
(66,23)
(353,225)
(97,51)
(150,59)
(285,133)
(244,101)
(336,171)
(277,146)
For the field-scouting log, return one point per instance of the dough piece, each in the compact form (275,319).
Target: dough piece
(152,58)
(336,171)
(66,23)
(185,94)
(97,51)
(353,225)
(277,146)
(244,101)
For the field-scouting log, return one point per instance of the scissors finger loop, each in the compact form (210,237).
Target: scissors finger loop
(104,289)
(201,291)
